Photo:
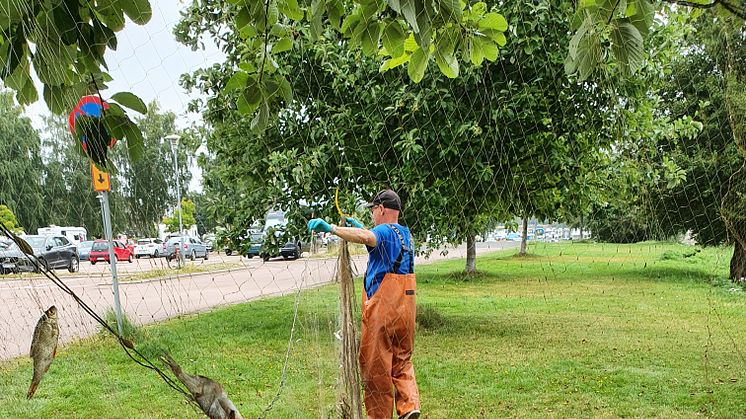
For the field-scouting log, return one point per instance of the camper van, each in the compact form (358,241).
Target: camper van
(74,234)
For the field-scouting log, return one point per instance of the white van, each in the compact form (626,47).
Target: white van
(73,234)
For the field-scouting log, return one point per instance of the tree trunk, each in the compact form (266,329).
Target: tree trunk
(738,263)
(581,226)
(471,254)
(524,237)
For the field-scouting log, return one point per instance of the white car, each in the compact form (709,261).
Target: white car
(149,247)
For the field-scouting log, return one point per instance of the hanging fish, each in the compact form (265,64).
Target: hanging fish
(208,393)
(43,346)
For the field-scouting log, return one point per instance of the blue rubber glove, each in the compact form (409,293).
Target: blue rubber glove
(353,222)
(319,225)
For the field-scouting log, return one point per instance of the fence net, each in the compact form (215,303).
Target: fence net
(580,241)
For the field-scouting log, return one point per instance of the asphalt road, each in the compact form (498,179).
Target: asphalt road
(237,280)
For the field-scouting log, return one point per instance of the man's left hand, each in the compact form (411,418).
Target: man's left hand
(353,222)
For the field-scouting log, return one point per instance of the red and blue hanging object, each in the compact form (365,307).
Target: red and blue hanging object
(95,138)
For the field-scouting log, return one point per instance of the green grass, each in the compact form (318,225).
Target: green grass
(186,270)
(572,330)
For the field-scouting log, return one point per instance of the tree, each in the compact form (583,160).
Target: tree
(610,34)
(187,218)
(69,42)
(20,166)
(708,81)
(69,195)
(8,219)
(502,131)
(147,187)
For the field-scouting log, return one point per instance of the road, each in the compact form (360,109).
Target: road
(152,300)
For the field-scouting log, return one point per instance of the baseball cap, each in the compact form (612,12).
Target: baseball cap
(387,198)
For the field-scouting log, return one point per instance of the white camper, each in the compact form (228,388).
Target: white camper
(74,234)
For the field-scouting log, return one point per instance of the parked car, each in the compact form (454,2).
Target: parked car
(255,246)
(12,259)
(84,248)
(208,239)
(192,248)
(149,247)
(54,252)
(290,250)
(100,251)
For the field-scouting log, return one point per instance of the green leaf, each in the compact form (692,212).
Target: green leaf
(17,54)
(247,67)
(489,48)
(394,62)
(116,125)
(395,5)
(61,99)
(349,24)
(291,9)
(627,45)
(243,18)
(451,10)
(236,82)
(111,14)
(286,91)
(335,10)
(66,16)
(27,94)
(368,9)
(284,44)
(417,65)
(137,10)
(261,119)
(494,21)
(135,143)
(448,64)
(410,44)
(370,37)
(393,39)
(589,55)
(250,98)
(131,101)
(444,53)
(643,17)
(476,52)
(409,11)
(424,15)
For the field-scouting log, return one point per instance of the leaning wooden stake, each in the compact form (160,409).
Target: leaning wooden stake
(349,402)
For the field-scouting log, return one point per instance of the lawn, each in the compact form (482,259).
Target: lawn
(572,330)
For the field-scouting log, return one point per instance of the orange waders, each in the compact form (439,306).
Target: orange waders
(387,341)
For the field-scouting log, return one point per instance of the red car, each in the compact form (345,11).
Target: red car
(100,251)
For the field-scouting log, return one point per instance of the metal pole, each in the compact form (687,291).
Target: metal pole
(178,206)
(106,213)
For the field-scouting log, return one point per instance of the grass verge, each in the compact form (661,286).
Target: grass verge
(576,330)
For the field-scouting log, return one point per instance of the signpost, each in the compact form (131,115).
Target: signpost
(92,106)
(101,180)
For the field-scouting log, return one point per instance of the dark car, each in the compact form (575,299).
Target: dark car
(12,260)
(84,249)
(54,252)
(290,250)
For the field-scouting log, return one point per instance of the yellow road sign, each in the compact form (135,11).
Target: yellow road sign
(101,181)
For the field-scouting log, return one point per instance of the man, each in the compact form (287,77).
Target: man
(388,308)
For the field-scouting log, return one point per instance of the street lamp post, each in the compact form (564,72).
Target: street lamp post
(174,139)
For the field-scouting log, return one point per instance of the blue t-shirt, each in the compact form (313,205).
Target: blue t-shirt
(381,258)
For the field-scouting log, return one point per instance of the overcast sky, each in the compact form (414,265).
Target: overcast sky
(148,62)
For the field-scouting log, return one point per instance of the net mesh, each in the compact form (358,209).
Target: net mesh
(611,190)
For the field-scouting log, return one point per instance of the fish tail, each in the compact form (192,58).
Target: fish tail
(32,389)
